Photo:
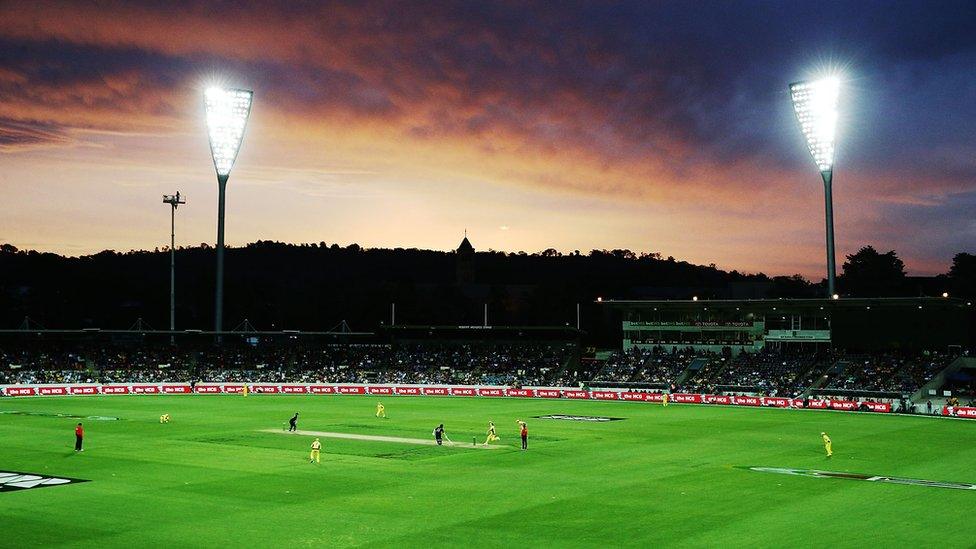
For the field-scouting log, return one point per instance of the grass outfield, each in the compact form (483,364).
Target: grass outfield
(660,476)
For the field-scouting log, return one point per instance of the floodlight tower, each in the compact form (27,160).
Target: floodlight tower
(815,104)
(227,112)
(174,201)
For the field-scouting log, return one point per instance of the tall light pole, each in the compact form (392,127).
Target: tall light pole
(174,201)
(815,104)
(227,112)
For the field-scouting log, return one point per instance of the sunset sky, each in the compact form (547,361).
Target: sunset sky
(655,126)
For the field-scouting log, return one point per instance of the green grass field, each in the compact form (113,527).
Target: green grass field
(659,477)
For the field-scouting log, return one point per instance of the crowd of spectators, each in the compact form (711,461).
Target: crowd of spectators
(511,365)
(651,367)
(889,372)
(768,372)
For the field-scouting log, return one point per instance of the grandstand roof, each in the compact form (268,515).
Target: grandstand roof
(790,303)
(478,332)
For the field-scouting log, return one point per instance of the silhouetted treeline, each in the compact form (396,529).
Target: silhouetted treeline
(315,286)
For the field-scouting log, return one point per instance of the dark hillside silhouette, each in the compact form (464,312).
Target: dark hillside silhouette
(315,286)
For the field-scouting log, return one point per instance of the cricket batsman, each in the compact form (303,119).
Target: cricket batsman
(380,410)
(492,437)
(316,449)
(828,445)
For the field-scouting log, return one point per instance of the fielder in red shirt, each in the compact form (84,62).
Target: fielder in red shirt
(79,435)
(524,432)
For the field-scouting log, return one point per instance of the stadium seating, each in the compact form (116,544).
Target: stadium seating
(767,373)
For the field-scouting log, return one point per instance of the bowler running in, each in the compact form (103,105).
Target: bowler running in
(492,436)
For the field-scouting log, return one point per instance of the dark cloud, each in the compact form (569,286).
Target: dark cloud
(628,79)
(19,135)
(929,235)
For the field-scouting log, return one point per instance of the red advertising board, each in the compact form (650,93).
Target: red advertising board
(781,402)
(965,412)
(883,407)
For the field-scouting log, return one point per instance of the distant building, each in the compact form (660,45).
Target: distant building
(464,262)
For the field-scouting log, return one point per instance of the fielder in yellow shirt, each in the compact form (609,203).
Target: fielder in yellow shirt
(664,399)
(380,410)
(828,445)
(244,390)
(314,456)
(492,437)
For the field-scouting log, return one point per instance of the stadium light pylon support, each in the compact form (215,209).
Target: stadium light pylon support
(174,201)
(227,112)
(815,105)
(828,177)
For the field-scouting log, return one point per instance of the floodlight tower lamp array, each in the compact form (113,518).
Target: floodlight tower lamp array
(227,112)
(815,105)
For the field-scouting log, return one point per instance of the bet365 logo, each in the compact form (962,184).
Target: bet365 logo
(11,481)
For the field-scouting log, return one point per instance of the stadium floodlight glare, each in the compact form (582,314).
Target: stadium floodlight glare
(227,111)
(815,104)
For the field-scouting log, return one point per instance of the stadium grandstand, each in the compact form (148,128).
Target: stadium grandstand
(690,350)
